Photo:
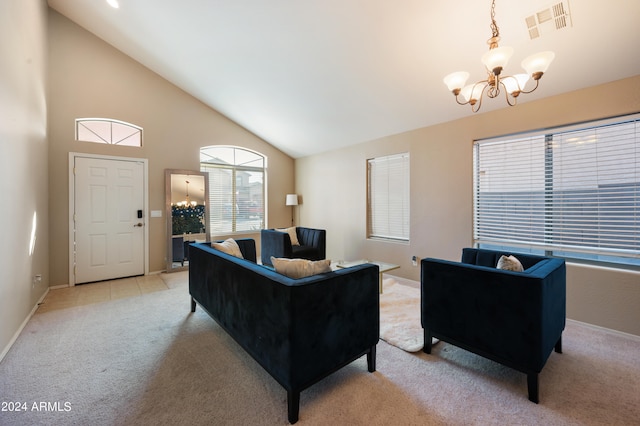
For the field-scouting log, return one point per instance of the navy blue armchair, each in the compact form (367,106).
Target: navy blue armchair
(313,244)
(514,318)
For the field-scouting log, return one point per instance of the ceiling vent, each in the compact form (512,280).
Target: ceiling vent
(554,17)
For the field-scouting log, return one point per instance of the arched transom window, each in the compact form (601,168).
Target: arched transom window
(108,131)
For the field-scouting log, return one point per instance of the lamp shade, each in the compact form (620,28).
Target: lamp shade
(515,83)
(496,59)
(292,200)
(456,80)
(538,63)
(472,92)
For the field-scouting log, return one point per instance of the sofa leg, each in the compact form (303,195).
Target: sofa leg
(532,385)
(371,359)
(193,305)
(293,406)
(427,341)
(559,345)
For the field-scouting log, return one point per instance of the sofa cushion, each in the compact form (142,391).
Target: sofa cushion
(229,246)
(304,252)
(300,268)
(292,234)
(509,263)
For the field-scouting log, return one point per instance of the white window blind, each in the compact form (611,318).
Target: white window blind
(572,192)
(236,189)
(388,197)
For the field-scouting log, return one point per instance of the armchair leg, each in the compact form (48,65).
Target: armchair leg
(293,406)
(559,345)
(371,359)
(532,385)
(427,341)
(193,305)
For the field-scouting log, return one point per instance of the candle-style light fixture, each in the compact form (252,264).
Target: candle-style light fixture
(494,61)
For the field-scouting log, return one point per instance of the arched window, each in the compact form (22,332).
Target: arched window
(236,188)
(108,131)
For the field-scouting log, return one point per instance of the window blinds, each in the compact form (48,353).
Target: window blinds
(569,191)
(236,198)
(388,197)
(236,188)
(223,214)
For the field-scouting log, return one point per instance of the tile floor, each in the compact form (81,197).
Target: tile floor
(85,294)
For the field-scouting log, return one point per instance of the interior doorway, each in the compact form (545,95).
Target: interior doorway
(107,218)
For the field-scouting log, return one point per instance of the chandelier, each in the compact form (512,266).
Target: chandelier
(494,61)
(187,202)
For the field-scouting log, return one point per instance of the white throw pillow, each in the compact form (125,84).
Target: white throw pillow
(509,263)
(292,234)
(229,246)
(300,268)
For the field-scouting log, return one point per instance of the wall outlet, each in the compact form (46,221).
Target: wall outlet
(37,279)
(414,260)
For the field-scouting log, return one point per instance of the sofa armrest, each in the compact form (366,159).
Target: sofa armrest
(247,248)
(274,243)
(334,318)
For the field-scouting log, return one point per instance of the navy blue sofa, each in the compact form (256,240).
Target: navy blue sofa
(299,330)
(313,244)
(514,318)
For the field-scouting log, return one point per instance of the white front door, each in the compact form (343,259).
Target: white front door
(108,219)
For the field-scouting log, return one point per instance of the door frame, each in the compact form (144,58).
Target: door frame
(72,206)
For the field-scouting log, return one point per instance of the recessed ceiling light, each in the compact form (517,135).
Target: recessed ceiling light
(113,3)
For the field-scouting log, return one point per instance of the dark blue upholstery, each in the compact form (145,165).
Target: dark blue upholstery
(514,318)
(300,330)
(313,244)
(177,249)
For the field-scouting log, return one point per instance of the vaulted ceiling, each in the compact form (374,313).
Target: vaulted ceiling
(314,75)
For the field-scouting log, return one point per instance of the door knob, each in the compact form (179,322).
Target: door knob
(139,224)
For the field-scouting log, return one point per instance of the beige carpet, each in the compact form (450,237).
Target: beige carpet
(147,360)
(400,316)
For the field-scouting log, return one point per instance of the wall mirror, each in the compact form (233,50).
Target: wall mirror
(187,213)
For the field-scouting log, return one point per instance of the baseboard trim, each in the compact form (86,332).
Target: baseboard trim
(6,350)
(56,287)
(606,330)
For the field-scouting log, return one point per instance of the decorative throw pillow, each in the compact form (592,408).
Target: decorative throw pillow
(509,263)
(300,268)
(292,234)
(229,246)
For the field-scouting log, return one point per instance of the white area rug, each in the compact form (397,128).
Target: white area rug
(400,316)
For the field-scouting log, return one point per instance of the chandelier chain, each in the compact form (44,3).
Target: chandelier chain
(494,26)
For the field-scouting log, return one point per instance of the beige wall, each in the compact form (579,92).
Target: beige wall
(89,78)
(23,162)
(333,189)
